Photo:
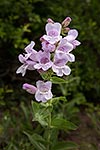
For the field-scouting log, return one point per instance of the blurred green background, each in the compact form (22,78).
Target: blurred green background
(24,20)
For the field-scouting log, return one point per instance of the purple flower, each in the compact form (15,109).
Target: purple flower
(30,51)
(28,60)
(27,63)
(53,33)
(47,47)
(71,37)
(29,88)
(43,92)
(29,48)
(44,61)
(65,47)
(59,66)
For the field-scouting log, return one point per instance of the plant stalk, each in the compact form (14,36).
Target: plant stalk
(49,131)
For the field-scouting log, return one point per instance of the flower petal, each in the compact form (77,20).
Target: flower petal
(73,33)
(70,57)
(48,95)
(22,69)
(66,70)
(29,48)
(39,97)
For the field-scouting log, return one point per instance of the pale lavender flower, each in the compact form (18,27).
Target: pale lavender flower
(29,88)
(44,61)
(59,66)
(28,60)
(43,92)
(66,47)
(29,48)
(71,37)
(30,51)
(53,33)
(27,63)
(47,47)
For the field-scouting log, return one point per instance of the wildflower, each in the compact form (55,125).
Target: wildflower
(27,62)
(29,48)
(53,33)
(59,66)
(71,37)
(43,92)
(47,47)
(65,47)
(44,61)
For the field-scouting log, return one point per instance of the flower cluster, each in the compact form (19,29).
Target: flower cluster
(57,45)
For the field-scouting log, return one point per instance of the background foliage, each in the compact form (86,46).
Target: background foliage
(24,20)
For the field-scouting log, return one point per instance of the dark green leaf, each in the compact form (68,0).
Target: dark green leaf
(57,80)
(35,107)
(62,124)
(37,141)
(65,146)
(57,99)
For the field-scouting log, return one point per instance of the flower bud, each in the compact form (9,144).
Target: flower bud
(65,30)
(49,20)
(66,22)
(29,88)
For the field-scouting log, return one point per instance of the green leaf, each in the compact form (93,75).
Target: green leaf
(35,107)
(36,140)
(41,112)
(57,80)
(65,146)
(57,99)
(46,75)
(62,124)
(41,119)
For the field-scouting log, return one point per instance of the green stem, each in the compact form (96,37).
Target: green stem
(49,131)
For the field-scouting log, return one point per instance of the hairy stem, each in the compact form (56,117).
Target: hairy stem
(49,130)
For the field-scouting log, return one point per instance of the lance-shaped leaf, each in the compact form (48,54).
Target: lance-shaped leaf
(57,80)
(37,141)
(65,146)
(62,124)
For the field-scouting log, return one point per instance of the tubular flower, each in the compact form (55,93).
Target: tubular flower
(43,92)
(44,61)
(27,63)
(71,37)
(59,66)
(66,47)
(55,53)
(47,47)
(28,60)
(53,33)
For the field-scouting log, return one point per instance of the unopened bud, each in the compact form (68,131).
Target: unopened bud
(66,22)
(29,88)
(66,30)
(49,20)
